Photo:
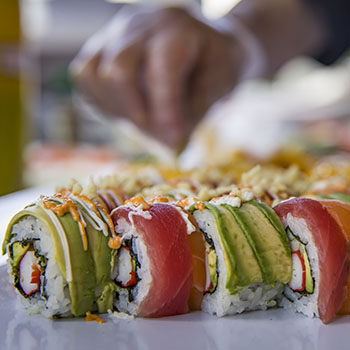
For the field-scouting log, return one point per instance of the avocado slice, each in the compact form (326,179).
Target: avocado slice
(102,256)
(17,250)
(105,300)
(275,222)
(82,285)
(270,241)
(235,212)
(241,265)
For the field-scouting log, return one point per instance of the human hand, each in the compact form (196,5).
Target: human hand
(162,72)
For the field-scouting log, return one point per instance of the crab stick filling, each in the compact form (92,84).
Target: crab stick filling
(298,276)
(126,276)
(29,273)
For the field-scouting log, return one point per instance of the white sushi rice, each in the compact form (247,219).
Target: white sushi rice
(117,316)
(221,302)
(140,291)
(295,301)
(53,299)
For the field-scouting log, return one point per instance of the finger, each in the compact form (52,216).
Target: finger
(102,55)
(199,95)
(216,73)
(87,79)
(168,64)
(120,71)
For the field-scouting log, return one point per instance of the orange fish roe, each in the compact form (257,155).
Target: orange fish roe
(114,242)
(199,205)
(91,317)
(160,199)
(138,201)
(67,206)
(183,203)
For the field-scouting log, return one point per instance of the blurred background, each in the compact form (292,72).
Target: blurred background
(48,133)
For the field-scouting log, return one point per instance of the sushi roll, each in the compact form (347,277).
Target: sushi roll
(60,251)
(154,267)
(320,259)
(247,256)
(343,197)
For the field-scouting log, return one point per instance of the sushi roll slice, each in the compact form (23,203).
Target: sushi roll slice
(247,255)
(154,266)
(320,259)
(60,256)
(343,197)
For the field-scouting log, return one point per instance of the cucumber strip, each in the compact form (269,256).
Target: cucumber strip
(212,265)
(309,280)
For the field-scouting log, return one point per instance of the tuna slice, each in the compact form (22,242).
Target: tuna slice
(165,236)
(331,248)
(340,212)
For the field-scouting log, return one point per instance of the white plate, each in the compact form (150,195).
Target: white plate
(273,329)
